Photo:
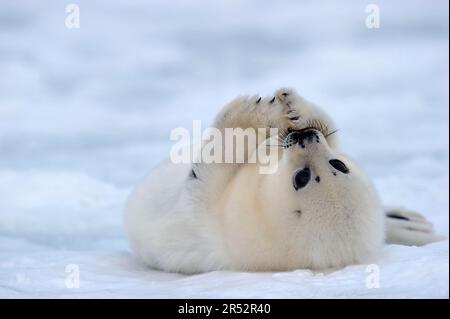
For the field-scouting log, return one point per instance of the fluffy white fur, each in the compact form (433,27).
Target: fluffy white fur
(229,216)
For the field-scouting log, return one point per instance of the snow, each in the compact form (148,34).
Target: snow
(85,113)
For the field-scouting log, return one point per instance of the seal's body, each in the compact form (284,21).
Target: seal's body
(316,210)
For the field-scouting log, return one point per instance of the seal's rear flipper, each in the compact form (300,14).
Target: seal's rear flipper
(409,228)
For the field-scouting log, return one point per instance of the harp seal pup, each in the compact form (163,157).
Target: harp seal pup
(318,210)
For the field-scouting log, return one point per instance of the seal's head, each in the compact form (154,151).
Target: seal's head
(320,206)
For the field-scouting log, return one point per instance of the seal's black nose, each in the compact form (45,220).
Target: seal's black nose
(302,137)
(309,136)
(291,139)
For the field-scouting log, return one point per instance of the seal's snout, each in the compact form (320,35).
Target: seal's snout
(309,136)
(302,138)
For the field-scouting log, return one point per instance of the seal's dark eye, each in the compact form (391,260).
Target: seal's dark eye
(337,164)
(301,178)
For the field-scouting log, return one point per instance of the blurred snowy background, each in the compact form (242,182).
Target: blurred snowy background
(85,113)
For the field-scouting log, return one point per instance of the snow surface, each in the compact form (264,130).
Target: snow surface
(85,113)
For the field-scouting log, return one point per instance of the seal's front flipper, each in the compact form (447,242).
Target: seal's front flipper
(409,228)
